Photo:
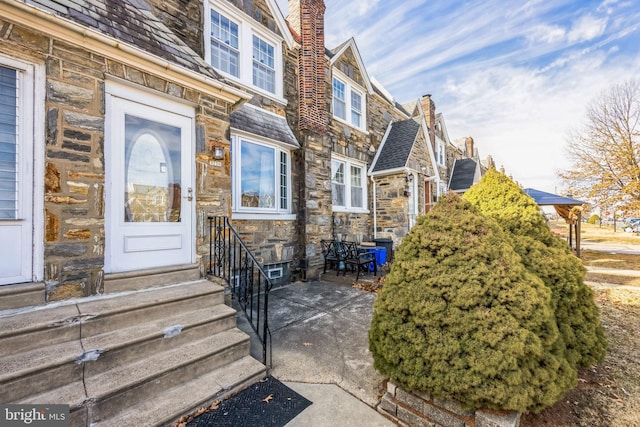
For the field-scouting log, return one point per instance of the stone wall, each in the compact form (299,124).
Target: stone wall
(74,175)
(417,409)
(184,18)
(392,207)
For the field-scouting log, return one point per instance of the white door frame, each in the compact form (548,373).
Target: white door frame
(413,200)
(31,105)
(120,97)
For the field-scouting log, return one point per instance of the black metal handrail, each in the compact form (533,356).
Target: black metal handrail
(230,259)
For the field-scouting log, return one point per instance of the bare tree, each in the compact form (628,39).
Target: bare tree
(606,150)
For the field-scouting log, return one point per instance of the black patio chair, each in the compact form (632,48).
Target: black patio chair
(358,259)
(333,254)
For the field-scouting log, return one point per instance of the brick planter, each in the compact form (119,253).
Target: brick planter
(417,409)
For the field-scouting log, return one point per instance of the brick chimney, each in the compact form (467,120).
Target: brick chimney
(468,147)
(429,110)
(306,18)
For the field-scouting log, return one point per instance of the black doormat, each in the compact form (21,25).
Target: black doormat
(268,403)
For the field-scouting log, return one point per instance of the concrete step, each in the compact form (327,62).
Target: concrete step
(135,342)
(21,295)
(143,279)
(37,328)
(188,396)
(151,354)
(39,370)
(112,313)
(72,394)
(132,384)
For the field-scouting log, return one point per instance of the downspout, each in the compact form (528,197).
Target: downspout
(375,209)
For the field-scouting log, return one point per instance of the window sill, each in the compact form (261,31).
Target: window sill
(346,123)
(263,216)
(278,98)
(347,210)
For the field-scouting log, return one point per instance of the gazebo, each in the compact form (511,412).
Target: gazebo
(567,208)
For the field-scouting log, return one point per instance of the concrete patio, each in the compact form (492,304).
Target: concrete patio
(320,349)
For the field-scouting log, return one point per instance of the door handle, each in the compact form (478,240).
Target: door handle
(190,194)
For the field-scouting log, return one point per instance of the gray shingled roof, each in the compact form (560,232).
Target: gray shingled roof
(132,22)
(463,174)
(397,146)
(263,123)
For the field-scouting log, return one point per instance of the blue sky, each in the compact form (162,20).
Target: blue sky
(514,75)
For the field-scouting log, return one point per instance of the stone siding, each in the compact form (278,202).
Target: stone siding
(418,409)
(184,18)
(392,207)
(74,174)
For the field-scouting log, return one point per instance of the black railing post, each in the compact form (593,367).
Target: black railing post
(236,264)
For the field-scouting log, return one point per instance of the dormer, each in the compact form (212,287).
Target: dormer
(244,42)
(350,86)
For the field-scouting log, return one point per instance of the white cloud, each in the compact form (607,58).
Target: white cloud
(512,77)
(546,34)
(587,28)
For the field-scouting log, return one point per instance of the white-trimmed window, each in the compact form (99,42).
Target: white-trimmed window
(349,102)
(348,185)
(225,48)
(440,154)
(243,50)
(261,177)
(10,132)
(21,152)
(264,69)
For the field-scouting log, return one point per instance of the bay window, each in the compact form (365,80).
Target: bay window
(261,176)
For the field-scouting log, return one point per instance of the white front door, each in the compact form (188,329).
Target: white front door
(149,219)
(20,155)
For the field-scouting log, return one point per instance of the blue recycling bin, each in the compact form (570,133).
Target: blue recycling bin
(380,254)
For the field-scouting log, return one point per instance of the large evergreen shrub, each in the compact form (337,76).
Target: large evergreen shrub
(460,317)
(550,258)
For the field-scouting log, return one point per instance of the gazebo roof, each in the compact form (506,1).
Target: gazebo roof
(569,209)
(543,198)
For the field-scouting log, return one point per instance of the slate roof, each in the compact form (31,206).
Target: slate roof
(263,123)
(463,174)
(549,199)
(131,22)
(397,146)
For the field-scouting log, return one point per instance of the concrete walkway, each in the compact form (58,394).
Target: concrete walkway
(320,350)
(615,248)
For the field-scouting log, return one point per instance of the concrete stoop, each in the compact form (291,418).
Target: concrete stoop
(139,357)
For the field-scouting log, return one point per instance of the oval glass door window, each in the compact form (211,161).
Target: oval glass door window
(152,190)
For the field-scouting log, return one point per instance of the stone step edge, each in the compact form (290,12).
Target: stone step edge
(154,294)
(150,272)
(78,302)
(108,387)
(63,354)
(219,384)
(186,321)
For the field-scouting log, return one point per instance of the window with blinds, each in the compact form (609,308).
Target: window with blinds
(8,143)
